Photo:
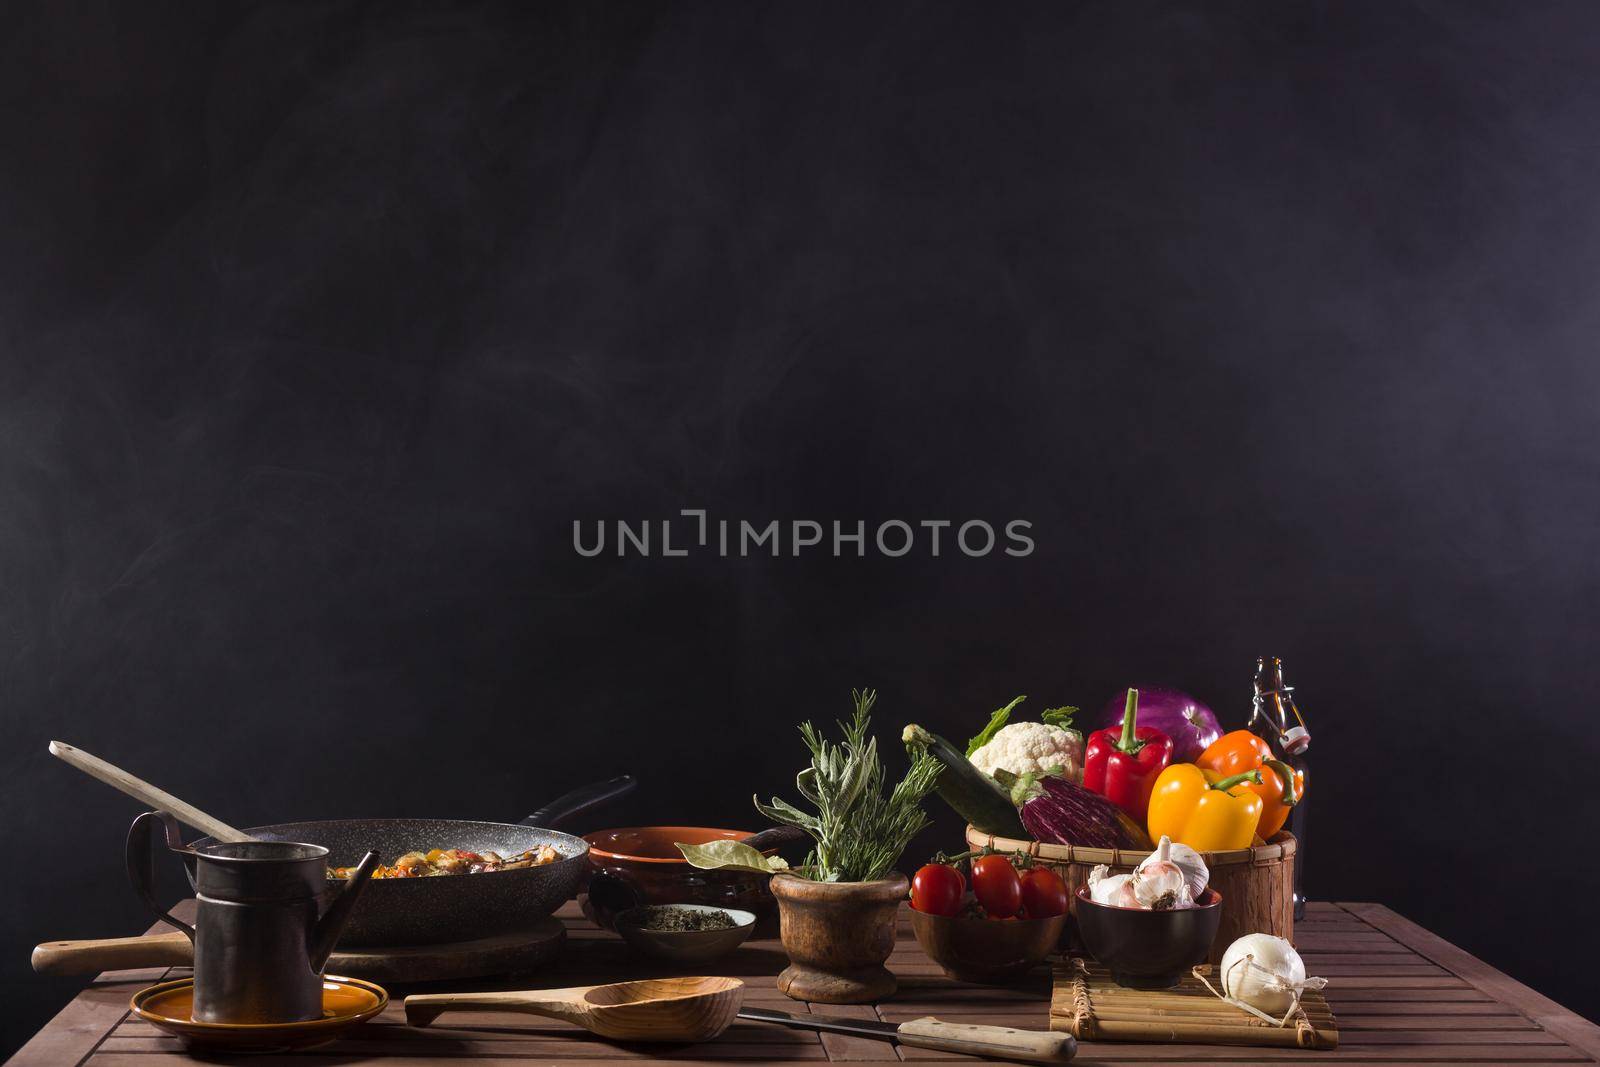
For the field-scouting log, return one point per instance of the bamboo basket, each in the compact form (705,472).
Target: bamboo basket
(1257,884)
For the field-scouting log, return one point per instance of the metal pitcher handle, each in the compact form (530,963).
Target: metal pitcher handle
(142,865)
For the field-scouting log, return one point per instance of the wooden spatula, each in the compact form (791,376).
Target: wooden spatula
(141,790)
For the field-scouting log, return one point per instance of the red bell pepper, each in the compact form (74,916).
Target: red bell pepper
(1122,765)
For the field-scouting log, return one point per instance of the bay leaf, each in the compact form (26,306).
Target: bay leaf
(730,855)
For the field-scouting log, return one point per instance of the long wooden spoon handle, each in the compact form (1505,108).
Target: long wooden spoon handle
(112,954)
(995,1042)
(423,1008)
(141,790)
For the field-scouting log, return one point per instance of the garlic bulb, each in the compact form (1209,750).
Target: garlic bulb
(1161,884)
(1195,873)
(1171,877)
(1112,890)
(1266,974)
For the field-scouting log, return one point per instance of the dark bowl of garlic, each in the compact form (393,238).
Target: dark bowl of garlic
(1148,948)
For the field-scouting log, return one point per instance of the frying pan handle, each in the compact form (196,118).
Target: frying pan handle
(580,800)
(142,865)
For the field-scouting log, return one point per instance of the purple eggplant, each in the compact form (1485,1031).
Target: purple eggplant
(1059,812)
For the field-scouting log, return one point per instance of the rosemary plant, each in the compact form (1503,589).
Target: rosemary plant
(860,832)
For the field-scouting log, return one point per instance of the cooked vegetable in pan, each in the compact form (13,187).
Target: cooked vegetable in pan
(454,861)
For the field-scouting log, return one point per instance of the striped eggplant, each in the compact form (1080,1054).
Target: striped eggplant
(1057,811)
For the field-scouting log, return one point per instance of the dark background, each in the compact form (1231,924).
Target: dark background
(322,323)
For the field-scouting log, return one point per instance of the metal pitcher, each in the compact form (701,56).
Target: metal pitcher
(261,935)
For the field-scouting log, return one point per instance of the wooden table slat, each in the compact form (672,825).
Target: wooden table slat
(73,1034)
(1401,995)
(1572,1028)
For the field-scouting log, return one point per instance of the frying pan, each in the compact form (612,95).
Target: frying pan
(460,907)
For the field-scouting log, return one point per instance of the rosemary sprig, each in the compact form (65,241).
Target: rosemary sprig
(860,833)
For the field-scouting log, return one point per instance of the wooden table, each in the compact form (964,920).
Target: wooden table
(1402,995)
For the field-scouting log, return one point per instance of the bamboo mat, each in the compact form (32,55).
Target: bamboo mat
(1090,1006)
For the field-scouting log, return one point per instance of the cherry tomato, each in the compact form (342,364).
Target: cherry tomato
(1043,893)
(937,890)
(995,884)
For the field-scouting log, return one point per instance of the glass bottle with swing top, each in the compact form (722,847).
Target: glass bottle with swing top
(1275,718)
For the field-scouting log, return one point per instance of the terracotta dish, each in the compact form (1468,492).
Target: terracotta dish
(635,866)
(346,1002)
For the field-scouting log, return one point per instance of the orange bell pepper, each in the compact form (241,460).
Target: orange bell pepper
(1281,786)
(1204,810)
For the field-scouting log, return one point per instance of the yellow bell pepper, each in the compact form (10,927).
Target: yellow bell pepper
(1204,810)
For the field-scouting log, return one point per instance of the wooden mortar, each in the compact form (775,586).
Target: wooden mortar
(838,935)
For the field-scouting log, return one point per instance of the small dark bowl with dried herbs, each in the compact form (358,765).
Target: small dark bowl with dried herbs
(684,933)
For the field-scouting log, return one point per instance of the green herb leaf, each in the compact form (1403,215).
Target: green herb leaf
(730,855)
(996,721)
(1061,717)
(781,811)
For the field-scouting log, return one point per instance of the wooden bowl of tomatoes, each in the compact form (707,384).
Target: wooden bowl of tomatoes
(1004,927)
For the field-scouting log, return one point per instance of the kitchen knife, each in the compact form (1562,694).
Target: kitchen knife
(992,1042)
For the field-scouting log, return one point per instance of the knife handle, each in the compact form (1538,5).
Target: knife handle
(113,954)
(995,1042)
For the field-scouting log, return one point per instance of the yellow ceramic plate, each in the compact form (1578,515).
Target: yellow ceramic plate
(346,1002)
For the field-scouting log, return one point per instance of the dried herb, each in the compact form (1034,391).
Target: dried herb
(859,831)
(669,919)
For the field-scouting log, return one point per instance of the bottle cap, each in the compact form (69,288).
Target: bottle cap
(1296,740)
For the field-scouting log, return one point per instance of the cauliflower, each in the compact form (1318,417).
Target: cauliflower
(1032,747)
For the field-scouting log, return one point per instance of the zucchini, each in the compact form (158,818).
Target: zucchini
(974,795)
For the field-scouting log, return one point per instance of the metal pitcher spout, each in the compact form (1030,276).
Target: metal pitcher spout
(331,925)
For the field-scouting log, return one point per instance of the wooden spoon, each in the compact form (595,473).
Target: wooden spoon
(657,1009)
(141,790)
